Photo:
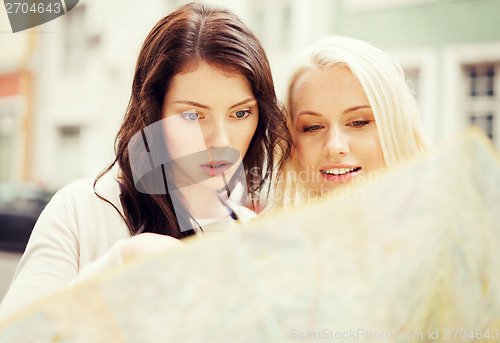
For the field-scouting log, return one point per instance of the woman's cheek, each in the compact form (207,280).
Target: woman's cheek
(191,140)
(304,153)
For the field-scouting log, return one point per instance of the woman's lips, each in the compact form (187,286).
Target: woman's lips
(339,173)
(215,168)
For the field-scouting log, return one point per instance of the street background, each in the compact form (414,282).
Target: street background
(65,85)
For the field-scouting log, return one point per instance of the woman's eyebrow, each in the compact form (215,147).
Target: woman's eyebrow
(348,110)
(197,104)
(308,113)
(192,103)
(242,102)
(355,108)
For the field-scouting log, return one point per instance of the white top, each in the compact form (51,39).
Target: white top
(75,229)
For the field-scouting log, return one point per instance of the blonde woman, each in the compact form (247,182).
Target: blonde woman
(351,114)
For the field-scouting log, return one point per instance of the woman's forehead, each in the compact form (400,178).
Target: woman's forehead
(193,64)
(326,89)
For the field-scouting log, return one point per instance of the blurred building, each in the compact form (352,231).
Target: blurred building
(80,69)
(450,50)
(16,102)
(78,73)
(83,79)
(65,85)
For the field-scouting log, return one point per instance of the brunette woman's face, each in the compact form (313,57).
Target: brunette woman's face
(334,128)
(210,117)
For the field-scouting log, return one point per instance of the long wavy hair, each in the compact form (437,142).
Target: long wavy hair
(192,34)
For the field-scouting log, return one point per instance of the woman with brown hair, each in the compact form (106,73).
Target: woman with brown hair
(203,130)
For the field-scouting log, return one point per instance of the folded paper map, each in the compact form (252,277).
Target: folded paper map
(413,256)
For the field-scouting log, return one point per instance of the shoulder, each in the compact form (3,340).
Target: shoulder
(92,217)
(84,192)
(106,184)
(80,202)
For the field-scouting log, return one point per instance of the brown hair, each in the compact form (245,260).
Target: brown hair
(191,34)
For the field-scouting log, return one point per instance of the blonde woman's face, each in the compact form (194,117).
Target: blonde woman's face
(334,129)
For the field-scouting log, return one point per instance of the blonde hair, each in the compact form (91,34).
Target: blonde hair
(383,81)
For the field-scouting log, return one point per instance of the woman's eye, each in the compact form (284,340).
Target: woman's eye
(191,116)
(359,123)
(242,114)
(311,128)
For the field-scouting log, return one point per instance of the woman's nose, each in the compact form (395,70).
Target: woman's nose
(337,143)
(216,135)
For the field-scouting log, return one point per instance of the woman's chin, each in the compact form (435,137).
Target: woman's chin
(213,183)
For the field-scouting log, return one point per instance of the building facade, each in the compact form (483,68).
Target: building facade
(65,85)
(16,103)
(450,48)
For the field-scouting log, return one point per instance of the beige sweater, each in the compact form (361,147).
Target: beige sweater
(75,229)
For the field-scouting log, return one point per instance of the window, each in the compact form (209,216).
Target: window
(482,104)
(413,78)
(285,26)
(484,122)
(69,132)
(481,80)
(68,153)
(271,23)
(259,19)
(7,130)
(75,38)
